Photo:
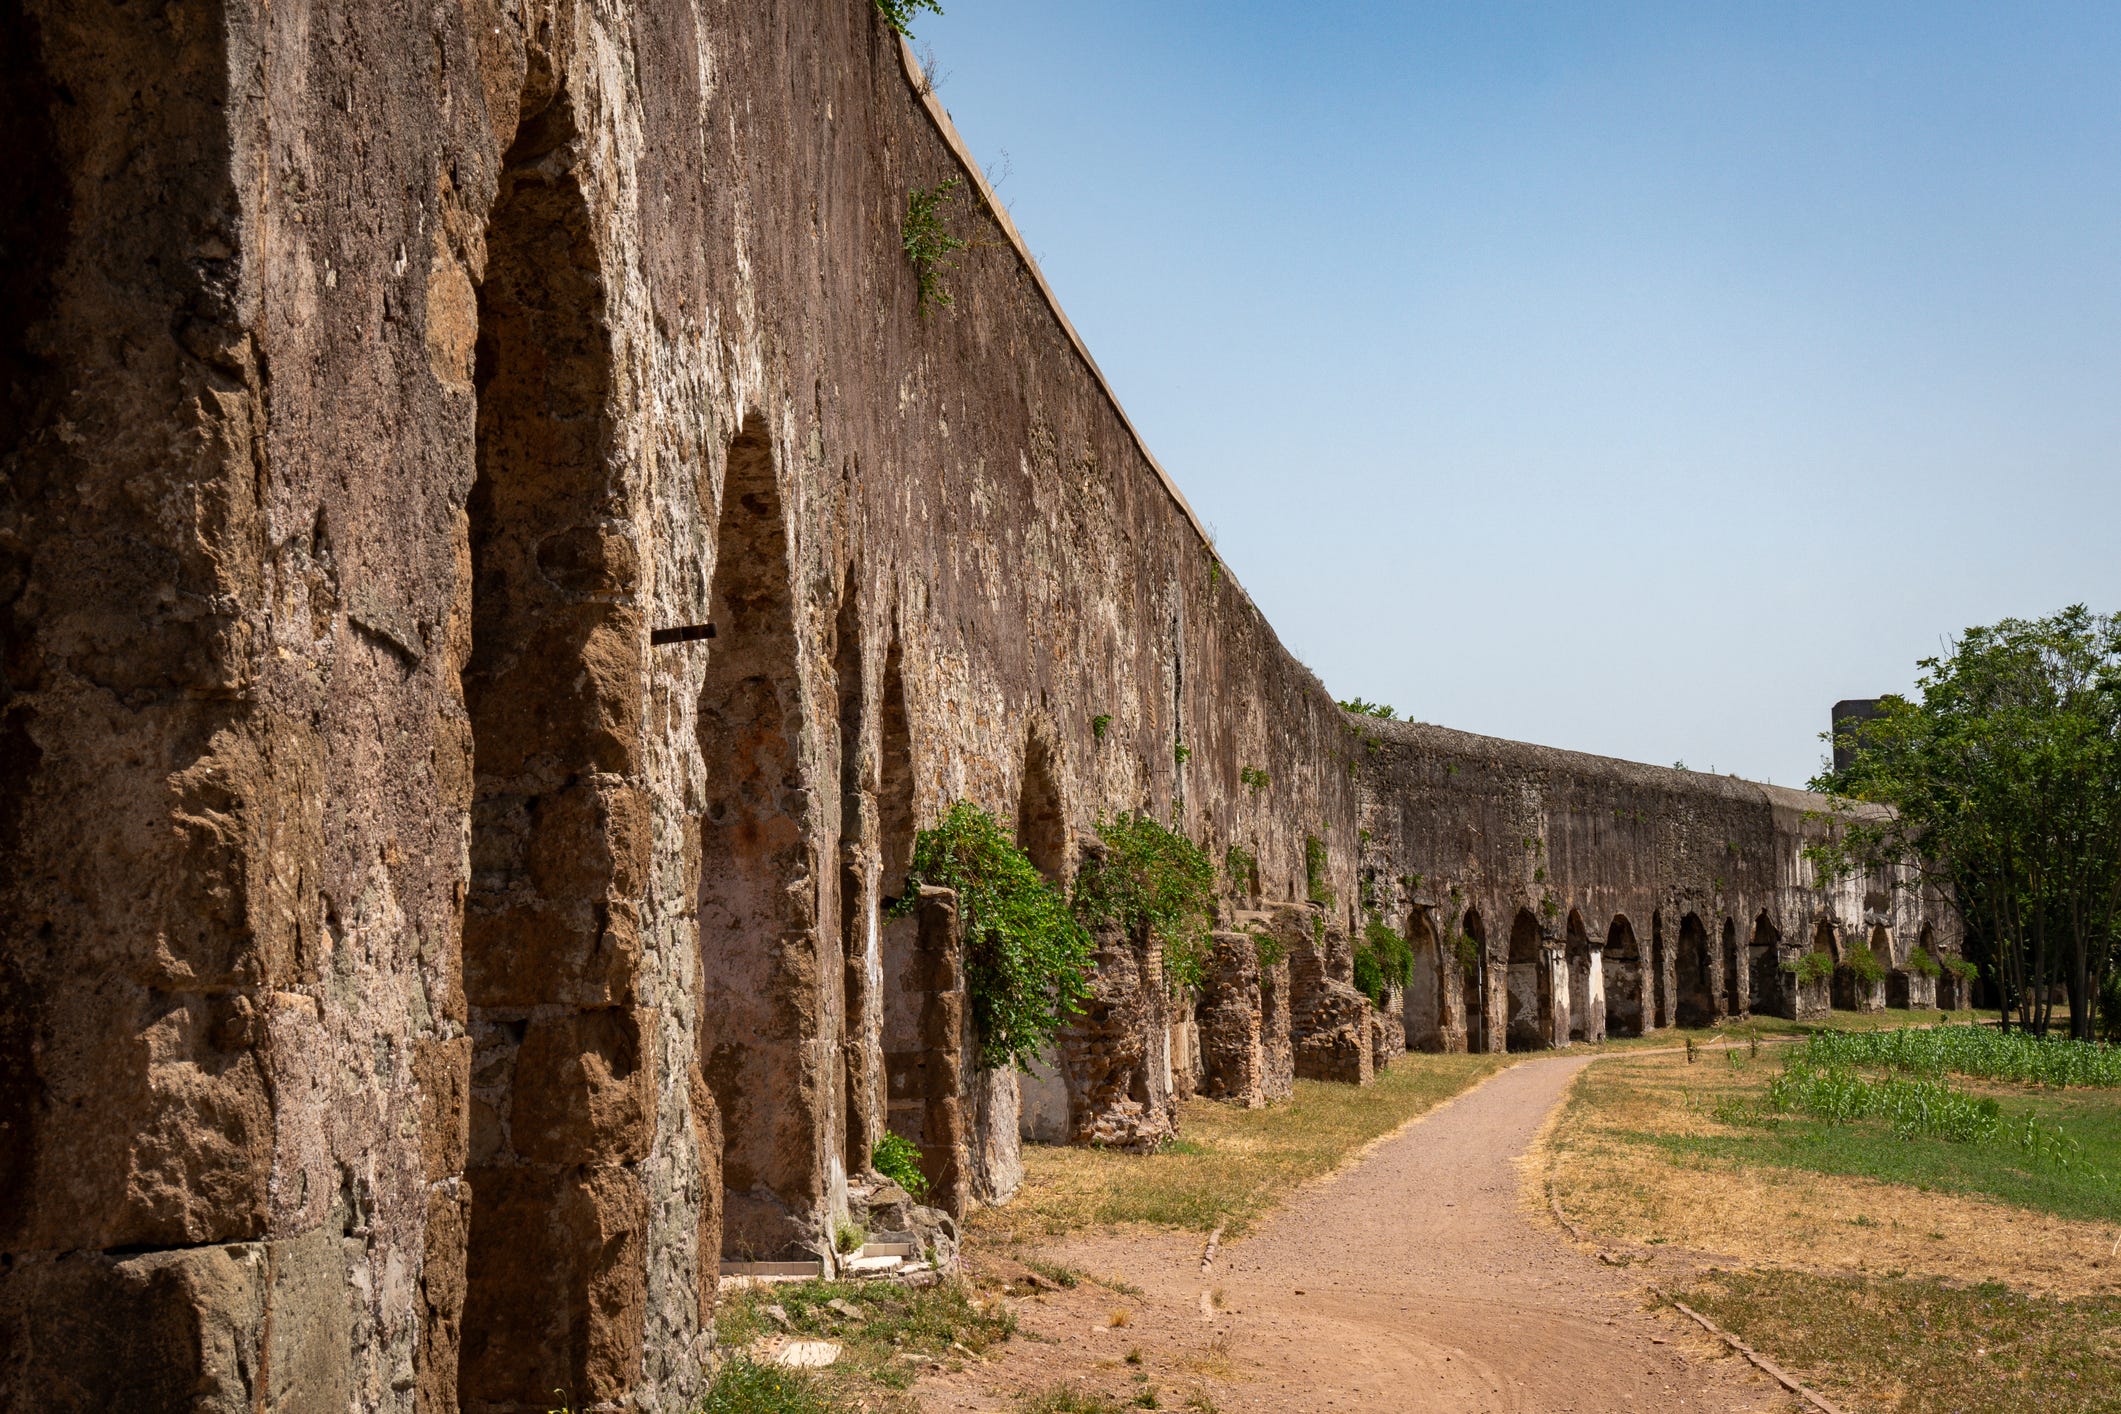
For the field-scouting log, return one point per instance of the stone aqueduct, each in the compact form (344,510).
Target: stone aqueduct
(427,954)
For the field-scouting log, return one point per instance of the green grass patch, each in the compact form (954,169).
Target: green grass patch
(743,1386)
(1233,1166)
(1881,1147)
(1982,1052)
(1926,1347)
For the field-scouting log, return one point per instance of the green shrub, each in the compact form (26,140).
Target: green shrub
(1864,964)
(1922,964)
(899,1159)
(1240,867)
(1369,709)
(1156,881)
(1812,967)
(1027,956)
(1253,779)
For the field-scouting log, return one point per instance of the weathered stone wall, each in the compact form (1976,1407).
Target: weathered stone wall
(428,953)
(1691,889)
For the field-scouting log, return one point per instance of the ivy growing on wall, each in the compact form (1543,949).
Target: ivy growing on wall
(1922,964)
(928,241)
(1383,960)
(1240,866)
(1156,881)
(1027,956)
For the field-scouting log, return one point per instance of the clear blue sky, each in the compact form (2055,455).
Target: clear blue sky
(1636,378)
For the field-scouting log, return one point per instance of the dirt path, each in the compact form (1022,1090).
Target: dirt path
(1410,1282)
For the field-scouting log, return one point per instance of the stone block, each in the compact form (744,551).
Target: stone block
(557,1284)
(584,1088)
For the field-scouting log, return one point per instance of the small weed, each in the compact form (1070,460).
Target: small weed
(1147,1400)
(1101,725)
(1119,1318)
(1134,1355)
(1252,778)
(1181,753)
(848,1237)
(1217,1299)
(1058,1273)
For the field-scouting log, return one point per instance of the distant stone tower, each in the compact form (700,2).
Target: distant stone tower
(1850,714)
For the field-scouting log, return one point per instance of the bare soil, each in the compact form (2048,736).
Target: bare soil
(1413,1279)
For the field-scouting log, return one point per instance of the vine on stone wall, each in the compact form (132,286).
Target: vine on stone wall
(1318,883)
(1383,960)
(928,241)
(1027,955)
(1156,881)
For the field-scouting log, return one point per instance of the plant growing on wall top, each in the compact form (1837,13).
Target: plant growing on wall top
(1027,956)
(1318,884)
(1155,881)
(1922,964)
(1370,709)
(899,13)
(928,241)
(1859,959)
(1812,967)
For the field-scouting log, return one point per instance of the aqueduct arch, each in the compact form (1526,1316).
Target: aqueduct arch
(1630,1001)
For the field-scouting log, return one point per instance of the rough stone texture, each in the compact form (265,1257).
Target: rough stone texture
(1231,1025)
(1119,1085)
(422,942)
(1689,884)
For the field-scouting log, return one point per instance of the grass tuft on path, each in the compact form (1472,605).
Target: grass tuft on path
(1230,1166)
(1924,1346)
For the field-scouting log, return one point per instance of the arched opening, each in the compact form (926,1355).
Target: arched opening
(1657,984)
(1626,1004)
(1737,995)
(1694,984)
(1586,983)
(921,1062)
(758,950)
(562,1090)
(1043,1106)
(1422,1007)
(1041,828)
(1764,968)
(1530,985)
(1473,988)
(1882,946)
(861,964)
(1826,938)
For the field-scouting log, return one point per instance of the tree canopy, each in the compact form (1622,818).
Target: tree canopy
(2002,778)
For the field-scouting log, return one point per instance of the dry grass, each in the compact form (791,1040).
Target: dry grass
(1615,1179)
(1231,1166)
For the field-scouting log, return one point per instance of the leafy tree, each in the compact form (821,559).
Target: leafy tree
(2001,780)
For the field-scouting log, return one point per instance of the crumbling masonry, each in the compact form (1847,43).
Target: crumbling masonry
(495,567)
